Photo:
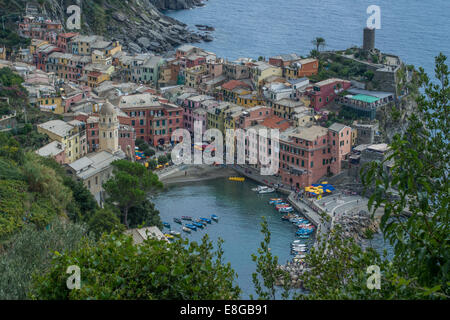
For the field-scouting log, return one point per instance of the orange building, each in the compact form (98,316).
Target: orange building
(301,68)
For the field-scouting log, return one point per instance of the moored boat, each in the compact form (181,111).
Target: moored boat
(186,218)
(191,226)
(201,221)
(266,190)
(258,188)
(198,224)
(206,219)
(175,233)
(177,220)
(169,236)
(186,229)
(214,217)
(167,225)
(286,209)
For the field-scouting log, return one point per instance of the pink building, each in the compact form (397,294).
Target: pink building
(200,115)
(308,154)
(253,116)
(55,150)
(193,103)
(63,40)
(324,92)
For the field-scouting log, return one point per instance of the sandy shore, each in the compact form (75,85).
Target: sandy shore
(198,173)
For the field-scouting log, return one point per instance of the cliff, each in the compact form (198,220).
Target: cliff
(138,24)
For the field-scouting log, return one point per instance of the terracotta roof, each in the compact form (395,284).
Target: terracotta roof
(230,85)
(275,122)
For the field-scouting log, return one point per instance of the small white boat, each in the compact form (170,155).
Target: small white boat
(175,233)
(266,190)
(185,229)
(258,188)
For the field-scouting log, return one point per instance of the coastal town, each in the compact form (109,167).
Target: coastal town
(102,104)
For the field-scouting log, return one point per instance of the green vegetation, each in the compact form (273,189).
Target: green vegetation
(115,268)
(336,66)
(30,252)
(144,147)
(319,43)
(11,40)
(267,269)
(129,188)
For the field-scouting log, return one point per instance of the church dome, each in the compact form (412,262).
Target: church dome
(108,109)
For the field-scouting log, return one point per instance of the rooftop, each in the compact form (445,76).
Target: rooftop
(52,149)
(57,127)
(310,133)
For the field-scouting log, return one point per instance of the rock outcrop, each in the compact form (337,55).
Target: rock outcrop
(138,24)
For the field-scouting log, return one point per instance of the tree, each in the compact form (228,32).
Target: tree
(267,269)
(162,159)
(130,185)
(152,164)
(369,74)
(417,184)
(314,53)
(319,43)
(115,268)
(144,214)
(104,220)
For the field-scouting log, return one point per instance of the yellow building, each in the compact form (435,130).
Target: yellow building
(216,116)
(35,44)
(194,76)
(51,104)
(73,136)
(261,70)
(231,116)
(249,100)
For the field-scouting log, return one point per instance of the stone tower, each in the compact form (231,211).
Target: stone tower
(369,39)
(108,128)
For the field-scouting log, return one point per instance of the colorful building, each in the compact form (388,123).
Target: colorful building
(326,91)
(71,134)
(301,68)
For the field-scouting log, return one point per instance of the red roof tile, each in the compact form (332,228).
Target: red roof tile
(275,122)
(230,85)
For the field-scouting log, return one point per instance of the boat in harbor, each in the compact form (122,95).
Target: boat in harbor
(186,229)
(201,221)
(175,233)
(167,225)
(177,220)
(206,219)
(214,217)
(191,226)
(286,209)
(298,242)
(275,201)
(266,190)
(169,236)
(186,218)
(303,236)
(198,224)
(258,188)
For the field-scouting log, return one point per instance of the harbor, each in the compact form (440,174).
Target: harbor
(239,211)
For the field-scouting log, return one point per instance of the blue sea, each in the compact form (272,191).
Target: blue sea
(415,30)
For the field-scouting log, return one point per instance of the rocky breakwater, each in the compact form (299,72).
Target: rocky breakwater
(294,270)
(356,225)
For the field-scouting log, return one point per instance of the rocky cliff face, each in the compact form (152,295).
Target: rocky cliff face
(138,24)
(176,4)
